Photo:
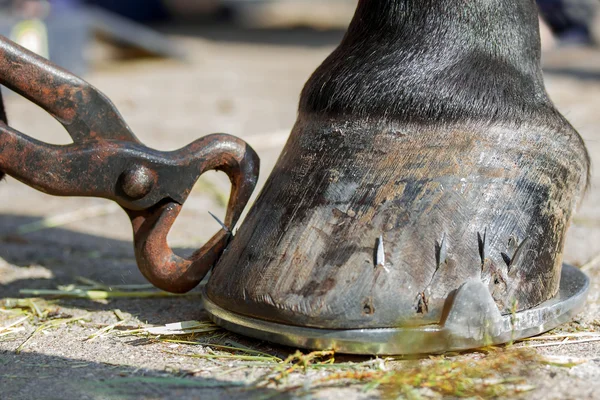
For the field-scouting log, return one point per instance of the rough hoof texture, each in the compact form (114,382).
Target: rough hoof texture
(426,154)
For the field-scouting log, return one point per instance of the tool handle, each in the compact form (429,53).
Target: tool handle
(85,112)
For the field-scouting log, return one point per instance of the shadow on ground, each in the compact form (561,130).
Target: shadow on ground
(62,378)
(68,254)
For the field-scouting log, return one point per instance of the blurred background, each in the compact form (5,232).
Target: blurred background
(180,69)
(64,30)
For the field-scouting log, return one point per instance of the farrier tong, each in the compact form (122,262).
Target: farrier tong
(107,160)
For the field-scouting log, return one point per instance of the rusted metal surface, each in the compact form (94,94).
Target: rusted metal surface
(107,160)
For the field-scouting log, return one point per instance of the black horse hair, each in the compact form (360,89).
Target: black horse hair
(437,61)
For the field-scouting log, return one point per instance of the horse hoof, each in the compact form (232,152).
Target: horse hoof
(366,225)
(423,158)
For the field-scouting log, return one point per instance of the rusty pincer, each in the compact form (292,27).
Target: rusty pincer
(107,160)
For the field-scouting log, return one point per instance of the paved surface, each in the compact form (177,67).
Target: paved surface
(246,84)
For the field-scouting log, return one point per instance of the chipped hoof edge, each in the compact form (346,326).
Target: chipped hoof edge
(471,320)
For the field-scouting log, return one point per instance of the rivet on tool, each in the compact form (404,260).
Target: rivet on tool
(137,181)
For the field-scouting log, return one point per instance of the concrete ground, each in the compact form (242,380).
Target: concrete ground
(245,83)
